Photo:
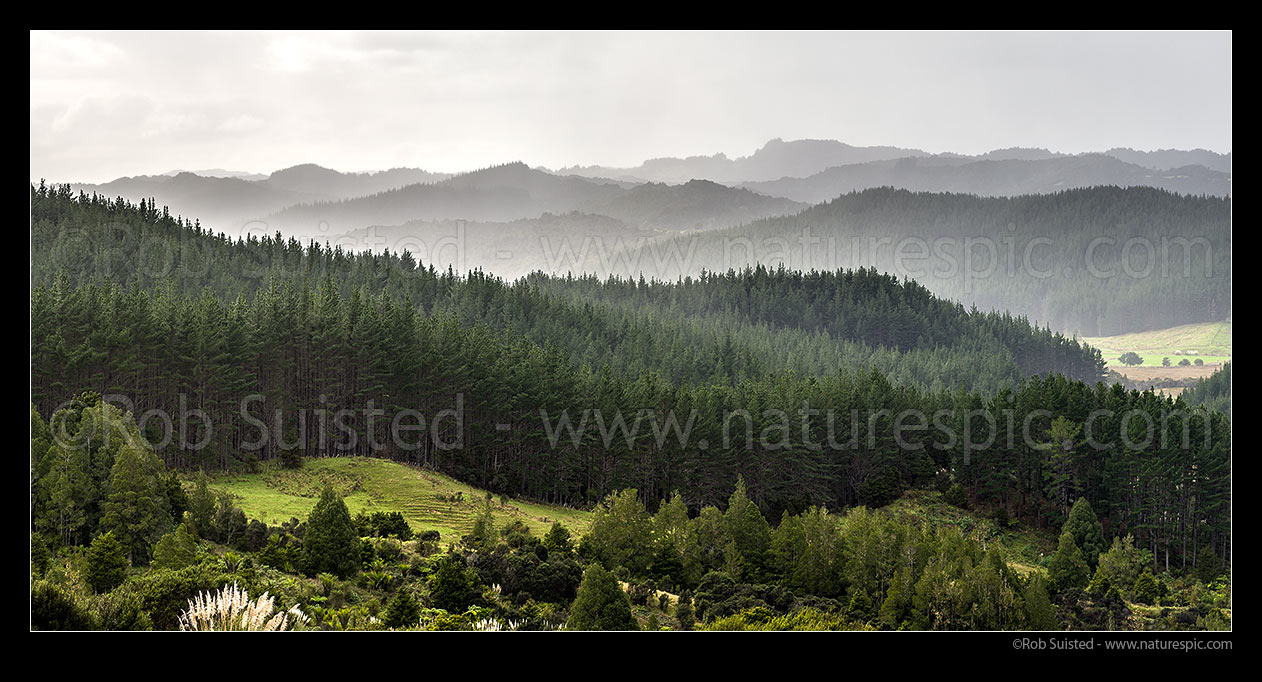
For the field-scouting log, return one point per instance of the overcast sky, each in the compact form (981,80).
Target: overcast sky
(110,104)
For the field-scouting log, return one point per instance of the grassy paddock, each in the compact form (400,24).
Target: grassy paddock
(428,500)
(1211,342)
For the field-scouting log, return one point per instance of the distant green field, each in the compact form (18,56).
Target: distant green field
(424,497)
(1211,341)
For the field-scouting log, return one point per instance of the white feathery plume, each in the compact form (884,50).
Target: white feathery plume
(231,609)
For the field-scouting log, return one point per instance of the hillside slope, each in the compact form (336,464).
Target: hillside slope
(428,500)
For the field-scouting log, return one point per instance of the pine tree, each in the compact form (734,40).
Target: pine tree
(1061,475)
(1087,531)
(750,533)
(41,558)
(860,607)
(894,609)
(557,540)
(1039,612)
(201,505)
(684,613)
(136,508)
(107,563)
(453,587)
(177,499)
(1120,565)
(1207,565)
(621,533)
(601,604)
(1067,569)
(483,537)
(60,495)
(330,543)
(402,611)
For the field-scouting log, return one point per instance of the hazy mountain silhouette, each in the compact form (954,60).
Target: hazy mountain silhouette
(226,203)
(776,159)
(497,194)
(694,193)
(221,173)
(1164,159)
(309,178)
(1009,177)
(802,158)
(515,191)
(694,205)
(223,204)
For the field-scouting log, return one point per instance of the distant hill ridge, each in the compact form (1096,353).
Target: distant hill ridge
(801,158)
(780,178)
(994,177)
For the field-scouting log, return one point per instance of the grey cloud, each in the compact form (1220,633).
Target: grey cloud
(455,101)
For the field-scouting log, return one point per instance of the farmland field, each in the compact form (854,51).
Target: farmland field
(1208,341)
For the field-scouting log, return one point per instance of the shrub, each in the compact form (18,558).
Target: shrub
(388,550)
(256,533)
(1146,589)
(117,611)
(165,593)
(639,593)
(280,552)
(53,607)
(763,619)
(176,549)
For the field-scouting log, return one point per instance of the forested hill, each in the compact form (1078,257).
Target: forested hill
(565,390)
(690,330)
(514,191)
(1213,391)
(860,304)
(1096,262)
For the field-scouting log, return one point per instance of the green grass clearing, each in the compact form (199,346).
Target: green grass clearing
(1211,342)
(428,500)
